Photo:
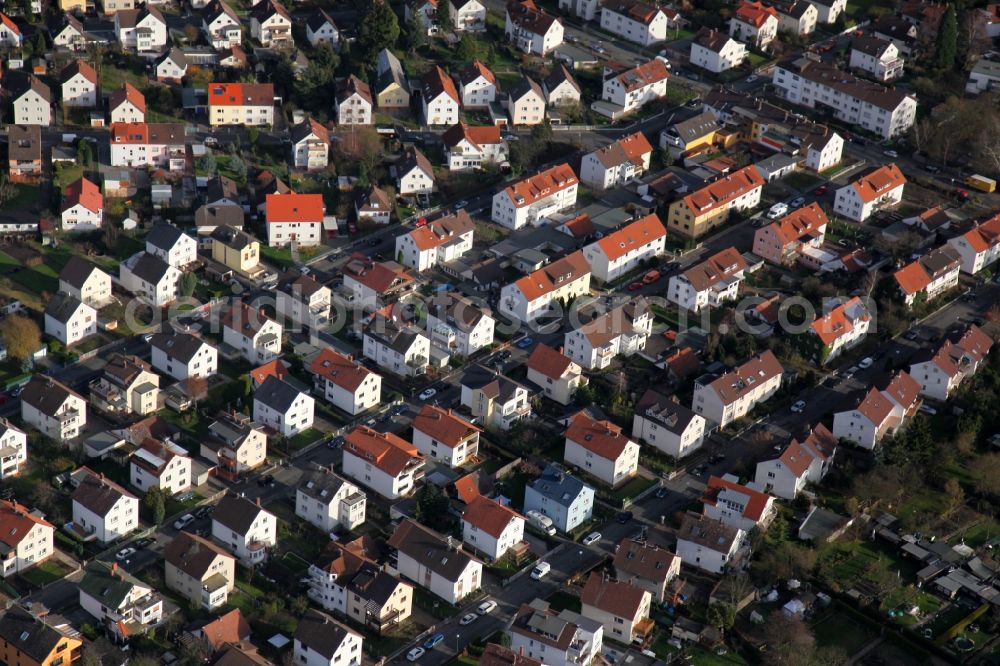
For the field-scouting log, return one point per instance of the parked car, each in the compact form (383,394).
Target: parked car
(541,570)
(486,607)
(661,492)
(820,191)
(183,521)
(524,343)
(591,538)
(866,362)
(144,542)
(624,517)
(927,409)
(752,78)
(468,618)
(266,481)
(650,277)
(203,512)
(799,406)
(124,554)
(931,168)
(635,286)
(890,153)
(427,394)
(777,210)
(433,641)
(336,442)
(415,653)
(797,201)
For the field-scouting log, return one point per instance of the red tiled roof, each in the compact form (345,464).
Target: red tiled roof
(754,13)
(548,361)
(800,223)
(546,183)
(549,277)
(437,82)
(294,207)
(275,368)
(240,94)
(739,381)
(127,93)
(632,236)
(603,438)
(78,67)
(838,322)
(85,193)
(229,628)
(884,179)
(443,426)
(489,515)
(387,451)
(16,522)
(875,407)
(756,501)
(644,75)
(724,190)
(720,266)
(619,599)
(339,369)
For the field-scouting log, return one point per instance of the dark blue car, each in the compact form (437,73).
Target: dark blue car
(433,641)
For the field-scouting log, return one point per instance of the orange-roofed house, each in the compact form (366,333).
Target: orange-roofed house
(837,330)
(710,206)
(224,630)
(491,528)
(555,373)
(127,105)
(625,250)
(148,144)
(534,198)
(617,163)
(802,462)
(533,295)
(930,275)
(637,21)
(472,147)
(83,206)
(868,419)
(734,394)
(531,29)
(294,218)
(941,371)
(79,85)
(443,436)
(623,608)
(10,34)
(882,188)
(710,283)
(600,449)
(382,461)
(979,247)
(440,98)
(25,539)
(754,23)
(439,242)
(787,241)
(249,104)
(632,89)
(735,504)
(345,383)
(623,331)
(354,102)
(477,86)
(310,145)
(274,368)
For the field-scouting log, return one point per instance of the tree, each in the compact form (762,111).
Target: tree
(84,153)
(987,480)
(956,496)
(208,165)
(188,284)
(432,506)
(21,336)
(379,30)
(947,47)
(789,641)
(90,657)
(316,83)
(156,504)
(445,23)
(722,616)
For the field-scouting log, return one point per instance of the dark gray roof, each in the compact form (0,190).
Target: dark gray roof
(221,187)
(236,513)
(557,76)
(62,307)
(492,383)
(523,87)
(696,127)
(321,485)
(320,633)
(98,493)
(24,142)
(318,19)
(182,346)
(231,237)
(110,588)
(444,557)
(226,215)
(176,56)
(46,394)
(664,412)
(192,554)
(374,584)
(77,271)
(164,236)
(25,633)
(558,486)
(276,394)
(150,268)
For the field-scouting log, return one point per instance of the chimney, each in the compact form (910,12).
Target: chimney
(258,501)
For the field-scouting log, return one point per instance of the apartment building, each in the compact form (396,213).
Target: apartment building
(632,89)
(754,23)
(160,464)
(244,529)
(665,424)
(329,501)
(562,638)
(344,382)
(469,148)
(556,374)
(477,85)
(294,218)
(724,399)
(26,539)
(800,463)
(438,242)
(148,144)
(879,189)
(710,206)
(248,104)
(460,326)
(626,250)
(710,283)
(617,163)
(102,509)
(530,29)
(737,505)
(930,275)
(534,198)
(532,296)
(384,462)
(791,239)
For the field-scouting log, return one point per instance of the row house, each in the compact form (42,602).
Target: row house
(433,562)
(534,198)
(940,371)
(665,424)
(877,190)
(632,89)
(439,242)
(710,206)
(160,464)
(401,348)
(439,98)
(271,24)
(127,105)
(710,283)
(533,295)
(245,529)
(622,331)
(304,301)
(329,501)
(282,407)
(478,86)
(69,320)
(468,148)
(26,538)
(127,386)
(200,571)
(221,25)
(53,409)
(494,399)
(884,111)
(492,528)
(102,509)
(622,608)
(13,450)
(123,606)
(384,462)
(294,218)
(737,505)
(876,57)
(78,81)
(183,356)
(877,413)
(930,275)
(442,436)
(754,23)
(980,246)
(733,395)
(839,329)
(557,375)
(617,163)
(345,383)
(636,21)
(247,104)
(789,240)
(800,463)
(626,250)
(556,638)
(235,443)
(560,496)
(716,51)
(353,102)
(530,29)
(600,449)
(460,326)
(161,145)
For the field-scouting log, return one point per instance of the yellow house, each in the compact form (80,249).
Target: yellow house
(75,6)
(237,251)
(709,207)
(26,640)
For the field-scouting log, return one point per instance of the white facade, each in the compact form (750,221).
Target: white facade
(619,91)
(535,198)
(478,93)
(13,450)
(452,591)
(504,530)
(521,300)
(531,40)
(173,476)
(646,33)
(734,394)
(297,418)
(348,653)
(32,109)
(713,560)
(148,34)
(440,110)
(26,549)
(260,346)
(409,361)
(611,471)
(344,508)
(979,247)
(729,55)
(66,423)
(249,547)
(122,519)
(858,204)
(623,251)
(668,433)
(79,92)
(884,66)
(203,363)
(183,252)
(468,15)
(81,324)
(346,384)
(157,294)
(461,338)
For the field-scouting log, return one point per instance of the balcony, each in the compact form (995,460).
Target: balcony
(214,591)
(68,416)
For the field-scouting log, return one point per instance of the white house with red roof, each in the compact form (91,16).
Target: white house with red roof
(634,88)
(345,383)
(83,206)
(789,240)
(477,86)
(531,29)
(371,284)
(802,462)
(735,504)
(941,371)
(625,250)
(879,412)
(533,295)
(148,144)
(440,98)
(556,374)
(26,538)
(491,528)
(710,283)
(754,23)
(294,218)
(636,21)
(534,198)
(127,105)
(734,394)
(624,331)
(160,464)
(439,242)
(930,275)
(78,81)
(617,163)
(252,332)
(469,148)
(840,328)
(443,436)
(10,34)
(621,607)
(882,188)
(600,449)
(384,462)
(980,246)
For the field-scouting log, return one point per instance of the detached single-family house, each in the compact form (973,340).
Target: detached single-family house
(980,246)
(13,451)
(24,153)
(617,163)
(232,247)
(52,408)
(622,331)
(354,102)
(636,21)
(526,103)
(496,399)
(200,571)
(123,605)
(754,23)
(244,529)
(565,499)
(491,528)
(646,566)
(624,251)
(940,372)
(872,416)
(160,464)
(837,330)
(282,407)
(561,89)
(800,463)
(709,545)
(34,105)
(78,82)
(716,51)
(796,17)
(882,188)
(828,11)
(735,504)
(414,174)
(633,88)
(541,635)
(151,278)
(401,348)
(329,501)
(534,198)
(467,15)
(83,206)
(710,283)
(433,562)
(556,374)
(183,356)
(69,320)
(459,326)
(319,640)
(26,541)
(468,148)
(304,301)
(384,462)
(667,425)
(141,30)
(878,58)
(477,86)
(128,386)
(102,509)
(172,245)
(441,435)
(533,295)
(172,66)
(221,25)
(793,238)
(724,399)
(310,145)
(392,90)
(85,281)
(344,382)
(439,98)
(127,105)
(320,29)
(930,275)
(600,449)
(623,608)
(235,443)
(271,24)
(531,29)
(294,218)
(373,204)
(439,242)
(371,285)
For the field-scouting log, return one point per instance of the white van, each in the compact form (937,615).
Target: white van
(541,570)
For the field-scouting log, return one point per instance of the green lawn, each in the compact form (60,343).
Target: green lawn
(47,572)
(431,604)
(632,488)
(563,600)
(701,656)
(840,629)
(26,197)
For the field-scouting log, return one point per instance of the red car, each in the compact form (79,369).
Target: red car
(820,191)
(422,222)
(635,286)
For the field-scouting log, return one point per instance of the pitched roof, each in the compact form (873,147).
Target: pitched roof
(432,550)
(35,85)
(475,70)
(321,485)
(497,655)
(632,236)
(85,193)
(525,86)
(724,190)
(274,368)
(9,24)
(830,76)
(148,133)
(265,9)
(322,634)
(237,513)
(628,149)
(548,361)
(16,522)
(310,127)
(294,207)
(619,599)
(46,394)
(377,276)
(665,411)
(800,223)
(24,633)
(713,40)
(526,15)
(551,276)
(720,266)
(741,380)
(24,143)
(880,181)
(181,346)
(633,9)
(903,389)
(192,554)
(127,93)
(318,19)
(443,426)
(840,320)
(277,394)
(338,369)
(754,13)
(229,628)
(557,485)
(985,235)
(412,159)
(603,438)
(756,501)
(436,82)
(240,94)
(875,407)
(62,307)
(148,267)
(489,516)
(78,67)
(217,8)
(918,275)
(643,75)
(164,236)
(442,231)
(643,560)
(98,493)
(557,76)
(353,85)
(387,451)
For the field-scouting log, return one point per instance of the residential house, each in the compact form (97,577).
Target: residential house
(148,144)
(796,17)
(52,408)
(878,58)
(384,462)
(801,462)
(709,545)
(310,145)
(824,148)
(304,301)
(533,295)
(840,328)
(530,29)
(27,640)
(329,501)
(236,444)
(828,11)
(244,528)
(320,29)
(151,279)
(433,562)
(565,499)
(497,655)
(373,204)
(294,218)
(183,356)
(469,148)
(460,326)
(939,372)
(172,66)
(980,246)
(440,100)
(353,102)
(623,608)
(78,82)
(401,348)
(24,153)
(424,12)
(626,250)
(600,449)
(539,634)
(710,206)
(172,245)
(392,90)
(622,331)
(123,605)
(477,86)
(34,105)
(710,283)
(667,425)
(467,15)
(199,570)
(877,190)
(442,436)
(793,238)
(13,450)
(561,89)
(70,34)
(271,24)
(321,641)
(734,504)
(160,464)
(127,105)
(102,509)
(345,383)
(491,528)
(372,284)
(617,163)
(636,21)
(633,88)
(886,112)
(10,33)
(732,396)
(69,320)
(716,51)
(25,540)
(229,629)
(141,30)
(83,206)
(493,398)
(871,416)
(127,386)
(930,275)
(282,407)
(556,374)
(754,23)
(984,75)
(414,174)
(526,103)
(231,247)
(647,567)
(534,198)
(221,25)
(248,104)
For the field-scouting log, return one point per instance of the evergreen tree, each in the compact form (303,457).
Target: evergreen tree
(379,30)
(947,48)
(444,16)
(156,504)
